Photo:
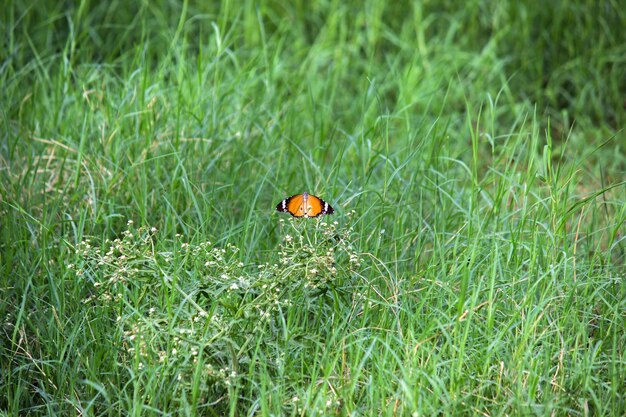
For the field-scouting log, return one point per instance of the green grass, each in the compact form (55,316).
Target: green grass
(474,154)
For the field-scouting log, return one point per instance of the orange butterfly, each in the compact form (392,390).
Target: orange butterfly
(304,205)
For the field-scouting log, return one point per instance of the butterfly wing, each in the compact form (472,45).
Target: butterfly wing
(316,206)
(293,205)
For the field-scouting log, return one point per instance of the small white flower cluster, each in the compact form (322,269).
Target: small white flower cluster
(315,259)
(151,340)
(236,298)
(116,263)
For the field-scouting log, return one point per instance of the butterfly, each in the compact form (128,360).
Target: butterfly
(304,205)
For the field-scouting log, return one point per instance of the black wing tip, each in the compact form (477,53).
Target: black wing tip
(327,209)
(283,205)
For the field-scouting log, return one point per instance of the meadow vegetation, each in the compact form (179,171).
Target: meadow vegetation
(474,153)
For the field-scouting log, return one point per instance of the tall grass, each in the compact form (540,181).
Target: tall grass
(474,156)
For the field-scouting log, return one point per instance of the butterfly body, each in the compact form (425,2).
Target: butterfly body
(304,205)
